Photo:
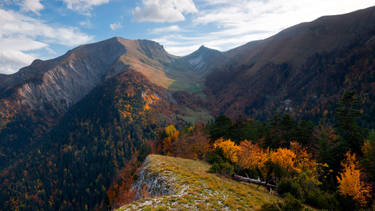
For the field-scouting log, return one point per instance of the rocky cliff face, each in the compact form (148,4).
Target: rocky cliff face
(152,184)
(54,85)
(63,81)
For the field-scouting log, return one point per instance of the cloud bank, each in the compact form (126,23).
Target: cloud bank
(21,34)
(164,10)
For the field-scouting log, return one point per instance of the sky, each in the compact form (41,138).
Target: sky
(45,29)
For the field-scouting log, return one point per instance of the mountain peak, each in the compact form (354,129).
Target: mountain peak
(202,47)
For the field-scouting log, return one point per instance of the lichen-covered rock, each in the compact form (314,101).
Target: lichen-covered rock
(150,184)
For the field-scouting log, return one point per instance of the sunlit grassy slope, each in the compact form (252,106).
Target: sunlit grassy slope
(196,189)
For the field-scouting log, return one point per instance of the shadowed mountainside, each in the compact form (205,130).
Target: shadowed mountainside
(302,70)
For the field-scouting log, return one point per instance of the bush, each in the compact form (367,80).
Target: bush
(289,186)
(215,156)
(271,207)
(222,168)
(321,199)
(347,203)
(290,203)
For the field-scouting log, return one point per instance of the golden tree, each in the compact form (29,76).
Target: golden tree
(304,160)
(251,156)
(172,135)
(230,149)
(349,180)
(285,158)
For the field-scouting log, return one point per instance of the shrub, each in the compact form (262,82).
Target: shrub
(290,203)
(222,168)
(215,156)
(271,207)
(321,199)
(289,186)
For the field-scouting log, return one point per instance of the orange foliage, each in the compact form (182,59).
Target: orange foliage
(172,135)
(251,156)
(120,192)
(149,99)
(350,182)
(297,158)
(230,149)
(304,159)
(285,158)
(171,131)
(192,144)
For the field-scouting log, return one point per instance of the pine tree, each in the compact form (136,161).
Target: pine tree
(346,116)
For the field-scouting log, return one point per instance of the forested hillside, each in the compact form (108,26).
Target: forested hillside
(321,165)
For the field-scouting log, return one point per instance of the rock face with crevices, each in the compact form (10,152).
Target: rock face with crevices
(63,81)
(57,84)
(151,184)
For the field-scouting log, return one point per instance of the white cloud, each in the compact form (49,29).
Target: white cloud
(32,5)
(168,29)
(164,10)
(86,23)
(20,34)
(235,22)
(13,60)
(83,6)
(115,26)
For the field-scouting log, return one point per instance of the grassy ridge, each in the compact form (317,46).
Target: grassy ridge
(196,189)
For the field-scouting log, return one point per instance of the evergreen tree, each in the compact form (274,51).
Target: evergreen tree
(346,117)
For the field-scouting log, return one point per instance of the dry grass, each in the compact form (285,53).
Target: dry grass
(196,189)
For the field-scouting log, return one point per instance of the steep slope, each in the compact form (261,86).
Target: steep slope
(204,60)
(182,184)
(35,98)
(63,81)
(73,165)
(65,155)
(295,44)
(54,85)
(302,69)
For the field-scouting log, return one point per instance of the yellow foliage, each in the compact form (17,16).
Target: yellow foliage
(349,180)
(149,99)
(284,157)
(172,135)
(230,149)
(171,131)
(251,156)
(366,148)
(304,161)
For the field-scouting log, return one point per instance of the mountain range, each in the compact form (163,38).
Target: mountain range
(98,104)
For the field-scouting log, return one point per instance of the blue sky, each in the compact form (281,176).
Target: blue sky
(31,29)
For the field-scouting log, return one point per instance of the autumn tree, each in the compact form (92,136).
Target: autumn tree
(304,160)
(349,180)
(170,135)
(230,149)
(192,143)
(252,156)
(285,158)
